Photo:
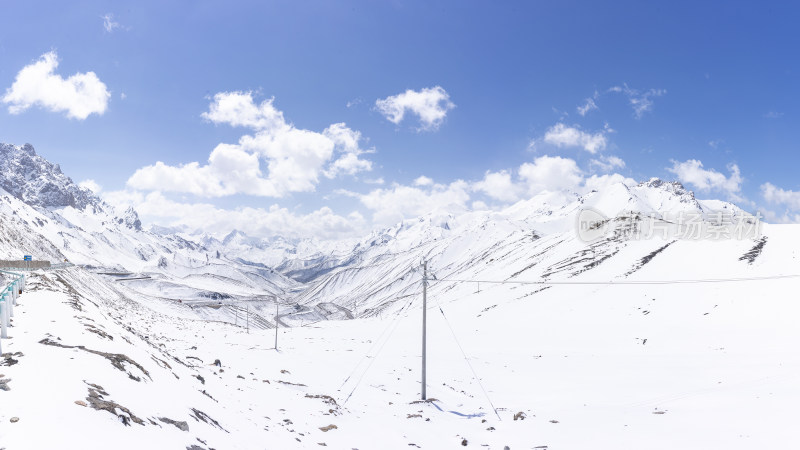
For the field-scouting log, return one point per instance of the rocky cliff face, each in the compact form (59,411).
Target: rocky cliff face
(38,182)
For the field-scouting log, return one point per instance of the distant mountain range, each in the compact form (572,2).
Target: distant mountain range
(46,214)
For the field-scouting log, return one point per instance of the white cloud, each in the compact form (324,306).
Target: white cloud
(777,196)
(294,158)
(640,101)
(238,109)
(348,164)
(607,163)
(323,223)
(545,173)
(346,142)
(79,95)
(394,204)
(422,180)
(379,180)
(599,182)
(109,23)
(91,185)
(561,135)
(430,105)
(692,172)
(122,96)
(788,199)
(775,217)
(388,205)
(478,205)
(499,186)
(588,105)
(548,173)
(773,115)
(230,170)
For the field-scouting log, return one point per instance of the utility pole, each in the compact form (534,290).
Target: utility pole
(424,320)
(276,323)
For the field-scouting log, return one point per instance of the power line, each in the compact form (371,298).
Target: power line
(374,345)
(396,325)
(474,374)
(622,282)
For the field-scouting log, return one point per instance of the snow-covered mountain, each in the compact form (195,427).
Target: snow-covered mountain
(377,271)
(38,182)
(536,338)
(359,277)
(50,217)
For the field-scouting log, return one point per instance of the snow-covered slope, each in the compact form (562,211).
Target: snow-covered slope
(649,336)
(533,240)
(658,366)
(50,217)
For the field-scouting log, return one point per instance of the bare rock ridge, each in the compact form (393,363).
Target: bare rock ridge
(38,182)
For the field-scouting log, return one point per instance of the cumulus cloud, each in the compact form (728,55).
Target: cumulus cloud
(389,205)
(705,180)
(640,101)
(777,196)
(499,186)
(599,182)
(398,202)
(238,109)
(553,174)
(323,223)
(787,200)
(37,84)
(545,174)
(479,205)
(607,163)
(562,135)
(422,180)
(91,185)
(430,105)
(548,173)
(294,158)
(347,143)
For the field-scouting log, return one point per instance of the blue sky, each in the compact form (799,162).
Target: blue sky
(490,95)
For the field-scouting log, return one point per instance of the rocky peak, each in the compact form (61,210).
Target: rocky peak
(131,219)
(38,182)
(674,187)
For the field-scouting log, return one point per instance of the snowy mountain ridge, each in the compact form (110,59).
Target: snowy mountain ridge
(77,225)
(38,182)
(536,338)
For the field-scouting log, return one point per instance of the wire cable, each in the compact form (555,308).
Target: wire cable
(474,374)
(358,383)
(623,282)
(374,345)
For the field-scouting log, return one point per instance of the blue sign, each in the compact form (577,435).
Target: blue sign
(28,258)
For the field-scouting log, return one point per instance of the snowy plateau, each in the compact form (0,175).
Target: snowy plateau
(165,339)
